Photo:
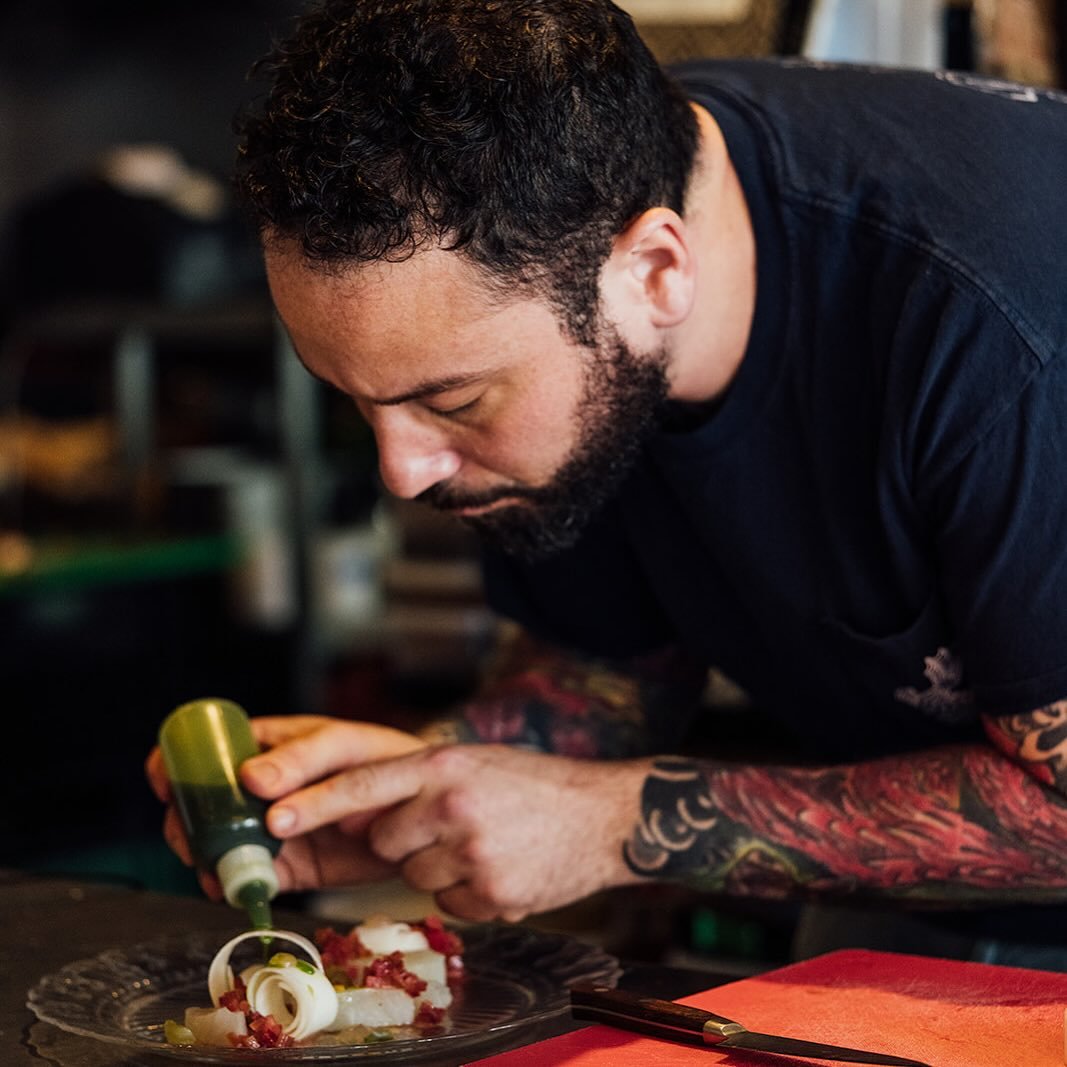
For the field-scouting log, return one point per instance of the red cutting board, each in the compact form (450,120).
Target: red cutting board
(943,1012)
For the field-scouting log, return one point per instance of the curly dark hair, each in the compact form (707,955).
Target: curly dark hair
(524,134)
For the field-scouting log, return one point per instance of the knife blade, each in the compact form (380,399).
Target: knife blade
(678,1022)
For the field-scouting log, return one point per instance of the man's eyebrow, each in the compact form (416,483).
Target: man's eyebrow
(430,388)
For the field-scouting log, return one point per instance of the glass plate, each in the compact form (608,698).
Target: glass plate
(515,977)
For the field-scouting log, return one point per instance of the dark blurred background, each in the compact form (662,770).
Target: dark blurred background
(107,617)
(77,76)
(183,511)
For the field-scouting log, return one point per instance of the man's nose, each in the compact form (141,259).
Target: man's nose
(412,457)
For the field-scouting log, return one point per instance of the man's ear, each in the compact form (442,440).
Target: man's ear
(650,276)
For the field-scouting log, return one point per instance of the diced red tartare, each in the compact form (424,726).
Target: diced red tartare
(264,1031)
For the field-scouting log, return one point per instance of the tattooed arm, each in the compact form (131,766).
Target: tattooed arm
(957,824)
(541,697)
(497,830)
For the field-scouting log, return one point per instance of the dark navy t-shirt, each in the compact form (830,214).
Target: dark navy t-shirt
(869,533)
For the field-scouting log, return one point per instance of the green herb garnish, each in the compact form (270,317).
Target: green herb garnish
(378,1035)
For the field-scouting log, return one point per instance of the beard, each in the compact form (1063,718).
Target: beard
(622,398)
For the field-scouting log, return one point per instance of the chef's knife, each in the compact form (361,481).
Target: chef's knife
(676,1022)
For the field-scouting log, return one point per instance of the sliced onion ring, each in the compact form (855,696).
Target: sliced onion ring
(220,974)
(301,1003)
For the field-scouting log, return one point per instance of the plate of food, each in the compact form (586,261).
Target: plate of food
(383,989)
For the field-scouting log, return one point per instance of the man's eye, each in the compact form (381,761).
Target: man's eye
(458,409)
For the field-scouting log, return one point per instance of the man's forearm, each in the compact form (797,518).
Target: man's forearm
(954,824)
(536,697)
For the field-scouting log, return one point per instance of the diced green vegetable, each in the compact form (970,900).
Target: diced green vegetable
(176,1034)
(303,965)
(283,959)
(378,1035)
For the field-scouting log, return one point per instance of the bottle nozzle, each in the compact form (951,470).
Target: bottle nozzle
(249,882)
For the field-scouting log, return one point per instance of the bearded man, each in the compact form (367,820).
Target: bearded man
(750,365)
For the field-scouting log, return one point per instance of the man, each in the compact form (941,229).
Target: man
(760,369)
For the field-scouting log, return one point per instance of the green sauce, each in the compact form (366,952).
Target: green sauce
(255,899)
(204,743)
(220,817)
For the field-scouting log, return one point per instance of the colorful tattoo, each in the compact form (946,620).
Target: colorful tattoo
(1038,739)
(960,823)
(537,696)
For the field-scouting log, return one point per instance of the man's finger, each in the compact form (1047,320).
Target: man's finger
(308,756)
(211,886)
(271,730)
(327,858)
(402,831)
(358,789)
(354,864)
(432,870)
(174,835)
(463,902)
(356,825)
(157,775)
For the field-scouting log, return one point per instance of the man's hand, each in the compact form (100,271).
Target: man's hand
(332,855)
(491,831)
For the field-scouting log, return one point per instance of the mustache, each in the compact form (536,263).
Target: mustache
(445,498)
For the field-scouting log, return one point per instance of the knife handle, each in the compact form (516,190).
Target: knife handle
(647,1014)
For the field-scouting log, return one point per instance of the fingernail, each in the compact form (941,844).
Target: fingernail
(281,819)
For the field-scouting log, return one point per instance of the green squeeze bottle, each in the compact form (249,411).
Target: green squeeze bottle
(203,744)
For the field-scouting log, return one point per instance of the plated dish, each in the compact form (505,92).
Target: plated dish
(384,980)
(515,977)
